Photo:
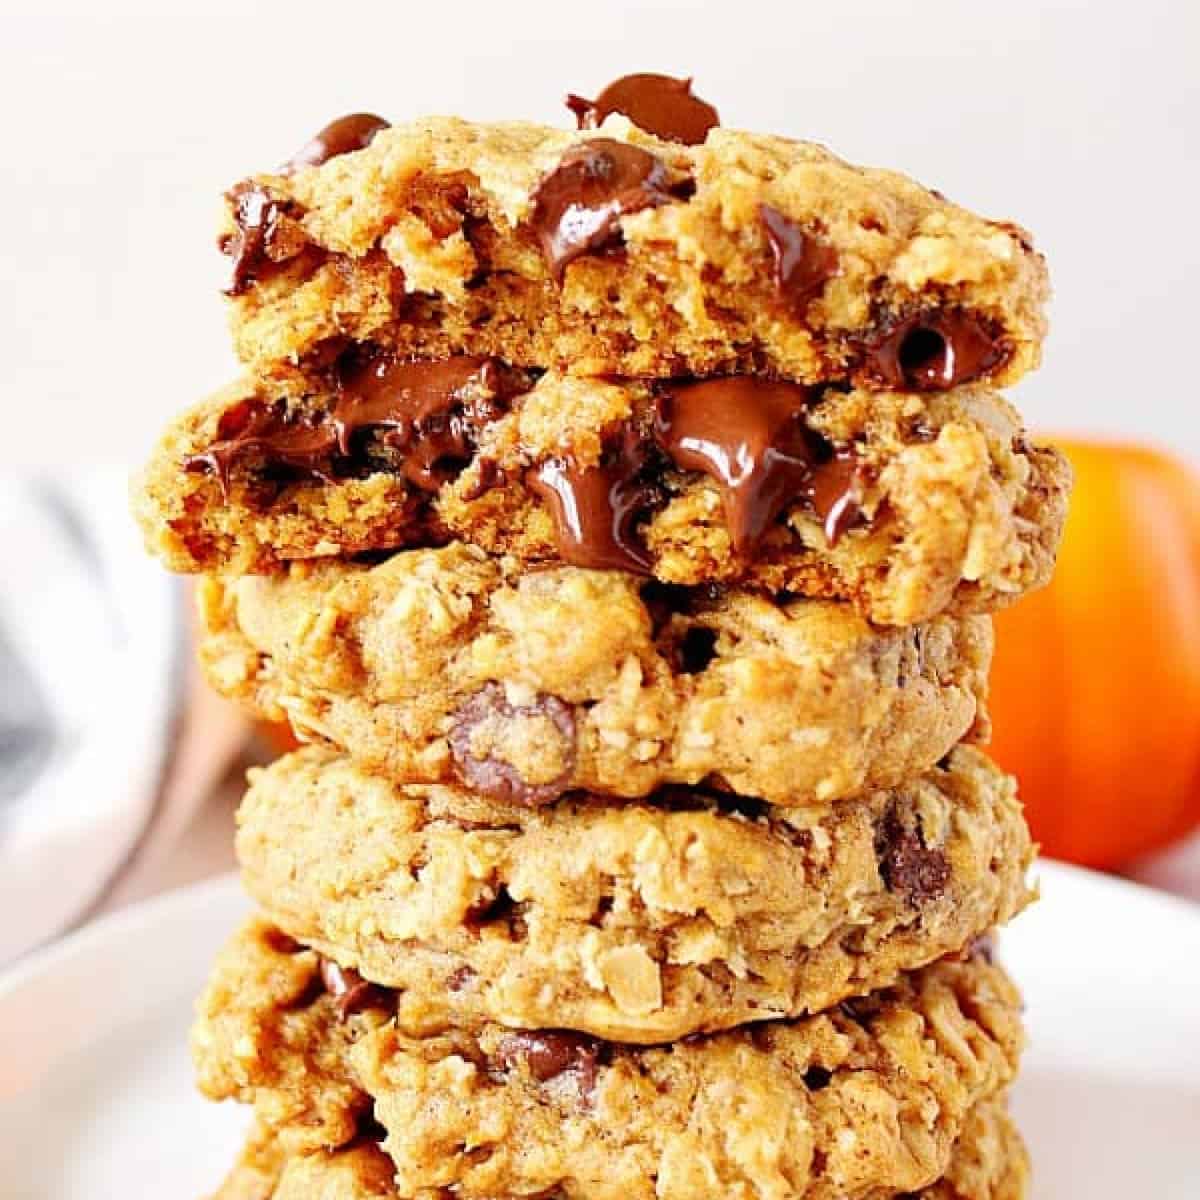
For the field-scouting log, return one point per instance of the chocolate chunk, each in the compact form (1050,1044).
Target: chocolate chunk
(909,867)
(548,1054)
(256,214)
(577,207)
(749,436)
(834,492)
(495,778)
(659,104)
(934,350)
(596,509)
(426,416)
(350,991)
(802,261)
(253,431)
(342,136)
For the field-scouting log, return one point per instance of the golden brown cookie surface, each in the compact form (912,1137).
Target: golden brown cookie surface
(865,1100)
(641,922)
(903,505)
(448,665)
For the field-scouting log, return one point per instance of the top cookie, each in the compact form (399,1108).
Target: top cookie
(609,250)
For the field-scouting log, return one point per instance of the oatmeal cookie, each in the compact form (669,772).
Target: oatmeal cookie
(611,251)
(988,1162)
(448,665)
(903,505)
(865,1100)
(642,922)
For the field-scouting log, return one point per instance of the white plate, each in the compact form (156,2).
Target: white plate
(96,1099)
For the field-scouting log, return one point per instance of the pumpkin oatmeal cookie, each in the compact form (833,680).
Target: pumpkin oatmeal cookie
(901,504)
(448,665)
(988,1162)
(865,1100)
(642,922)
(612,251)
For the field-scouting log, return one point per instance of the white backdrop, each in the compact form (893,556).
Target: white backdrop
(123,122)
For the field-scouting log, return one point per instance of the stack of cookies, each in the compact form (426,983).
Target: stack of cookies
(616,514)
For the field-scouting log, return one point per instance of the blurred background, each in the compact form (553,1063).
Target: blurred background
(124,123)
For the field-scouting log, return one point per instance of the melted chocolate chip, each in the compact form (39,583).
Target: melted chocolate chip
(931,351)
(417,419)
(342,136)
(350,991)
(834,491)
(659,104)
(495,778)
(802,261)
(256,216)
(749,436)
(427,414)
(548,1054)
(577,207)
(909,867)
(596,509)
(266,434)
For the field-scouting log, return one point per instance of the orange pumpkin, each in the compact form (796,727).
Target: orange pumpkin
(1096,686)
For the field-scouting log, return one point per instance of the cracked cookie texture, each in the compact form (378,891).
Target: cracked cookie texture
(865,1100)
(928,502)
(643,922)
(432,240)
(988,1162)
(451,666)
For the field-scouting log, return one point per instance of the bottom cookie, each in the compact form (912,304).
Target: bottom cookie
(862,1102)
(989,1162)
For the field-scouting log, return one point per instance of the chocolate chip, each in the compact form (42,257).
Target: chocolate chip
(659,104)
(339,137)
(495,778)
(803,262)
(256,215)
(833,491)
(419,420)
(749,436)
(578,206)
(549,1054)
(596,509)
(269,436)
(369,1129)
(695,650)
(816,1078)
(350,991)
(934,350)
(909,867)
(424,416)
